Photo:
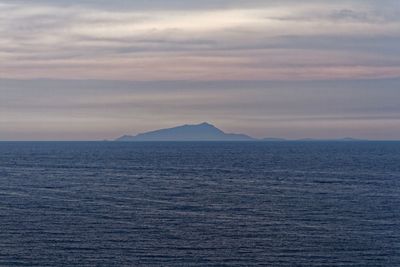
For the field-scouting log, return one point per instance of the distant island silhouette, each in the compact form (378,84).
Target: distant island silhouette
(189,132)
(204,132)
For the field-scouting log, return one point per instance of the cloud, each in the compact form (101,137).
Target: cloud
(214,39)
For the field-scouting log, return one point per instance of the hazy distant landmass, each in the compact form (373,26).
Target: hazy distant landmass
(195,132)
(345,139)
(207,132)
(273,139)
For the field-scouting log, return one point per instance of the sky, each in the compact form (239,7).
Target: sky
(97,69)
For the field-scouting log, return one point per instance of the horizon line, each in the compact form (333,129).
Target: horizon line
(256,140)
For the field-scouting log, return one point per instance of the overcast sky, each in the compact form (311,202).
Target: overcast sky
(94,69)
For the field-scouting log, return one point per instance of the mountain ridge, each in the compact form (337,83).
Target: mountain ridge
(188,132)
(208,132)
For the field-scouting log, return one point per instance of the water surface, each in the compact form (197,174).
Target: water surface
(200,204)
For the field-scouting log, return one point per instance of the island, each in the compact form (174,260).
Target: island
(188,132)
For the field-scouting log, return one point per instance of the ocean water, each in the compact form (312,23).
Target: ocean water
(200,204)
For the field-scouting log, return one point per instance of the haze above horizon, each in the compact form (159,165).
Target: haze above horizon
(289,69)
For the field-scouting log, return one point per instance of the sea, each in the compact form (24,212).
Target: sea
(200,204)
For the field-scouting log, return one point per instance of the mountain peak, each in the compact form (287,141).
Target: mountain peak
(203,124)
(188,132)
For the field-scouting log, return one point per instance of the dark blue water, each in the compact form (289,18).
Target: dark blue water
(200,204)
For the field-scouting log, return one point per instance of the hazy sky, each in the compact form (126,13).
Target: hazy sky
(97,69)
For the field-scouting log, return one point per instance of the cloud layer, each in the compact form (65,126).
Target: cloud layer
(189,40)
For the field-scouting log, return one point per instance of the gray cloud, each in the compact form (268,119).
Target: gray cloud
(348,14)
(156,4)
(42,35)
